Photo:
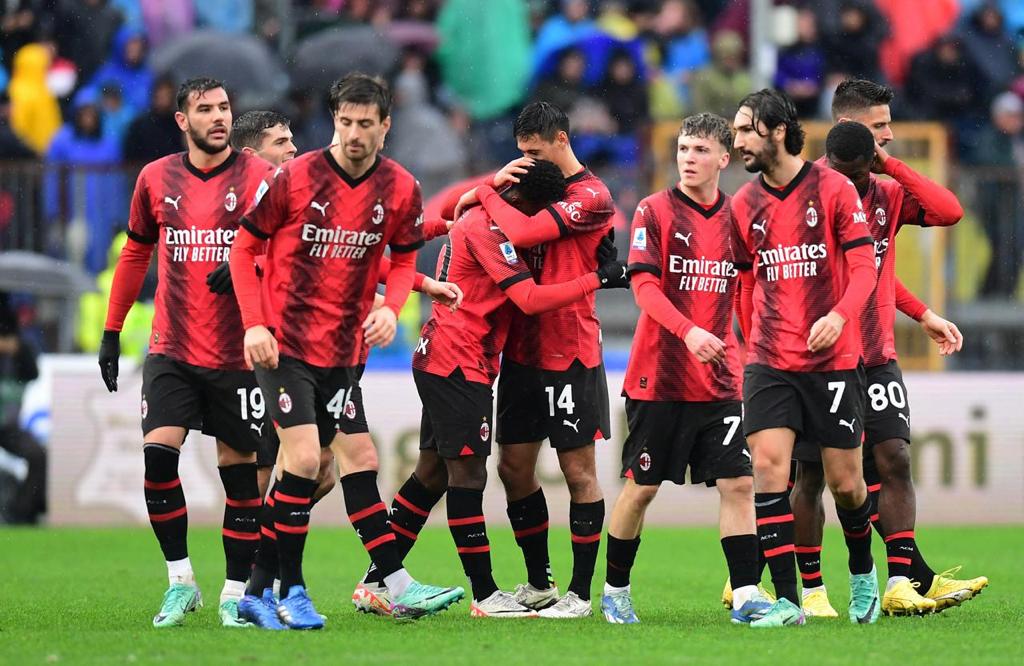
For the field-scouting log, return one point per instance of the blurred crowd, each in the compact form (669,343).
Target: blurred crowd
(90,84)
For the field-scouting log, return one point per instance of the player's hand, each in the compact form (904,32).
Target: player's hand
(110,357)
(613,275)
(219,279)
(878,164)
(606,250)
(260,348)
(943,332)
(825,332)
(445,293)
(465,201)
(511,171)
(379,328)
(705,346)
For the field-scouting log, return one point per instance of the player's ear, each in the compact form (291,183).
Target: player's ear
(182,121)
(723,161)
(562,138)
(386,124)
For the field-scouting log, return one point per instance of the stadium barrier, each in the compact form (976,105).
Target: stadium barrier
(968,431)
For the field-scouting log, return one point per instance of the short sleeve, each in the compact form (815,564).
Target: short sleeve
(142,224)
(851,221)
(496,255)
(645,241)
(742,254)
(586,207)
(408,234)
(269,208)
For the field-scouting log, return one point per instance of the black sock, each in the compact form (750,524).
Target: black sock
(266,566)
(241,529)
(775,532)
(369,516)
(857,532)
(469,530)
(529,518)
(874,484)
(899,550)
(808,560)
(409,511)
(920,572)
(165,500)
(585,523)
(741,558)
(292,497)
(620,557)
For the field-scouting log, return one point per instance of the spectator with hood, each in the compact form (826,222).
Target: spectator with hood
(720,86)
(944,82)
(801,67)
(35,115)
(154,134)
(127,68)
(85,31)
(986,42)
(852,49)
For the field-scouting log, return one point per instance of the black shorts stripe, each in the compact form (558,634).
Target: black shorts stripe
(563,230)
(253,229)
(411,247)
(141,239)
(857,242)
(515,279)
(644,268)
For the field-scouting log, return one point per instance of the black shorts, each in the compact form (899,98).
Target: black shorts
(302,394)
(667,437)
(457,415)
(886,414)
(266,455)
(569,408)
(822,407)
(225,404)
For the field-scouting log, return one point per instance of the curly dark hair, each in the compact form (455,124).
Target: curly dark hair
(248,129)
(359,88)
(855,95)
(542,184)
(850,142)
(708,126)
(200,85)
(774,108)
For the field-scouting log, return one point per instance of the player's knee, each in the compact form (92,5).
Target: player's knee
(465,473)
(304,463)
(432,474)
(810,480)
(773,469)
(848,490)
(513,475)
(893,461)
(736,490)
(638,496)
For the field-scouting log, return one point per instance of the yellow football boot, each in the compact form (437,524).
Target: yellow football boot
(902,598)
(727,594)
(816,604)
(947,591)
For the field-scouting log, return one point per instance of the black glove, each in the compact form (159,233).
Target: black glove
(110,354)
(612,275)
(606,250)
(219,279)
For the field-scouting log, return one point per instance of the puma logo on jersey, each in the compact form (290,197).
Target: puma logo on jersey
(685,239)
(320,207)
(761,227)
(593,193)
(173,202)
(421,346)
(848,424)
(257,427)
(575,425)
(642,210)
(904,417)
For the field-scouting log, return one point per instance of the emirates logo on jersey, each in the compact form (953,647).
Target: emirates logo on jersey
(811,217)
(378,213)
(350,410)
(231,201)
(485,431)
(645,461)
(880,216)
(284,402)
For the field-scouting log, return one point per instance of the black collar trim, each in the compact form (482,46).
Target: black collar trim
(708,213)
(579,175)
(213,173)
(349,180)
(793,184)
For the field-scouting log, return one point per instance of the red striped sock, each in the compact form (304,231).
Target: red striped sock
(899,549)
(369,516)
(165,500)
(241,529)
(857,532)
(410,509)
(808,560)
(469,530)
(775,532)
(529,519)
(293,497)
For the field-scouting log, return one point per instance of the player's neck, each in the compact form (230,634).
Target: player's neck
(786,170)
(569,165)
(354,168)
(205,161)
(706,194)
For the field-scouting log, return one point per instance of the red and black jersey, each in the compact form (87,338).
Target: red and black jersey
(553,340)
(688,248)
(795,239)
(192,216)
(482,261)
(327,232)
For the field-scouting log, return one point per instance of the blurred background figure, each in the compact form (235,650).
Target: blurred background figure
(718,87)
(35,115)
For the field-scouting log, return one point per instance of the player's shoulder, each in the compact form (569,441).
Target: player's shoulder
(586,184)
(158,167)
(746,193)
(393,169)
(477,224)
(653,204)
(253,163)
(828,177)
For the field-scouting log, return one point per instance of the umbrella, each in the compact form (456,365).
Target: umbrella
(45,277)
(324,57)
(252,73)
(413,34)
(597,48)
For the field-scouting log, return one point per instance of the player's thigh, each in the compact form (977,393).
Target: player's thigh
(171,401)
(720,450)
(340,411)
(575,406)
(289,392)
(833,407)
(234,413)
(770,402)
(227,455)
(658,445)
(522,405)
(456,415)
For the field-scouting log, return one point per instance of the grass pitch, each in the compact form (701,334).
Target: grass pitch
(86,596)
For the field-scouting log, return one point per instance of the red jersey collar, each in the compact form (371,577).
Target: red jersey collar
(788,189)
